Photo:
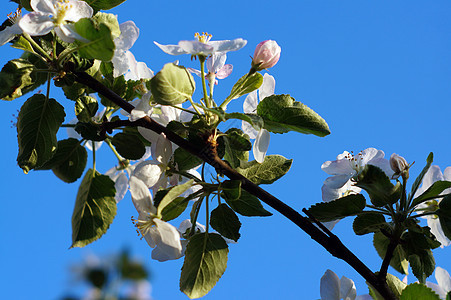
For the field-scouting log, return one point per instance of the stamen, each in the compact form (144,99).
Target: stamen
(204,38)
(15,16)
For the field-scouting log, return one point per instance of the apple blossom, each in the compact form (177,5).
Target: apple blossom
(262,136)
(203,46)
(443,286)
(124,61)
(216,68)
(266,55)
(432,175)
(334,288)
(400,166)
(158,234)
(9,32)
(55,14)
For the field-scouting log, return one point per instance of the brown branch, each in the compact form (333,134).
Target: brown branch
(331,243)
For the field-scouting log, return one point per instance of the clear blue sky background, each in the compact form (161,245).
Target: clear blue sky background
(378,71)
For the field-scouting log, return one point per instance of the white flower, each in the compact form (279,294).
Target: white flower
(262,136)
(347,166)
(432,175)
(333,288)
(158,234)
(124,61)
(140,290)
(55,14)
(10,32)
(443,286)
(216,68)
(203,46)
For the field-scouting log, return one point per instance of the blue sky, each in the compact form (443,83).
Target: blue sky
(378,72)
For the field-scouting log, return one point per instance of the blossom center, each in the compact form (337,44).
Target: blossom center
(143,225)
(61,7)
(15,16)
(356,161)
(203,38)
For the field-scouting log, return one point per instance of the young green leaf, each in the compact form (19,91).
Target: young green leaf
(237,145)
(398,261)
(378,186)
(95,209)
(38,122)
(99,44)
(231,189)
(128,145)
(416,291)
(245,85)
(419,179)
(281,113)
(69,161)
(172,85)
(86,108)
(225,221)
(338,209)
(205,262)
(185,160)
(247,205)
(172,194)
(271,169)
(368,222)
(109,20)
(434,190)
(23,44)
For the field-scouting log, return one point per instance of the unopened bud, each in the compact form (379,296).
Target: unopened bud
(400,166)
(266,55)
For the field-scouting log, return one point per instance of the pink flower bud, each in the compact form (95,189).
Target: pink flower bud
(399,165)
(266,55)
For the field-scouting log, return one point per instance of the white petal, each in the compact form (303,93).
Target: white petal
(338,167)
(169,246)
(148,134)
(196,47)
(121,185)
(369,154)
(9,33)
(249,130)
(437,231)
(78,10)
(129,35)
(347,288)
(120,63)
(383,164)
(36,23)
(443,278)
(330,286)
(162,149)
(437,289)
(68,34)
(268,86)
(250,103)
(331,224)
(216,62)
(143,108)
(148,172)
(89,144)
(141,197)
(447,174)
(171,49)
(261,145)
(228,45)
(432,175)
(143,71)
(224,71)
(43,6)
(337,181)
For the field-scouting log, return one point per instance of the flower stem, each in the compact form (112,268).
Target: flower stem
(36,45)
(204,83)
(119,157)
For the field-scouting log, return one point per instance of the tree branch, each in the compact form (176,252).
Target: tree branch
(331,243)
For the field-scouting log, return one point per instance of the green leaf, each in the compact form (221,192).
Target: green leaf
(398,261)
(393,282)
(378,186)
(368,222)
(103,4)
(172,85)
(254,120)
(95,209)
(342,207)
(130,269)
(231,189)
(109,20)
(237,145)
(205,262)
(271,169)
(281,113)
(419,179)
(23,44)
(172,194)
(128,146)
(245,85)
(86,108)
(225,221)
(247,205)
(444,215)
(74,91)
(38,122)
(99,43)
(69,161)
(434,190)
(174,209)
(416,291)
(185,160)
(17,78)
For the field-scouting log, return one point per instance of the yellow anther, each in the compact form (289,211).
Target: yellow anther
(13,17)
(203,38)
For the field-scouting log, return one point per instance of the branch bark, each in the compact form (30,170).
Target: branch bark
(329,241)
